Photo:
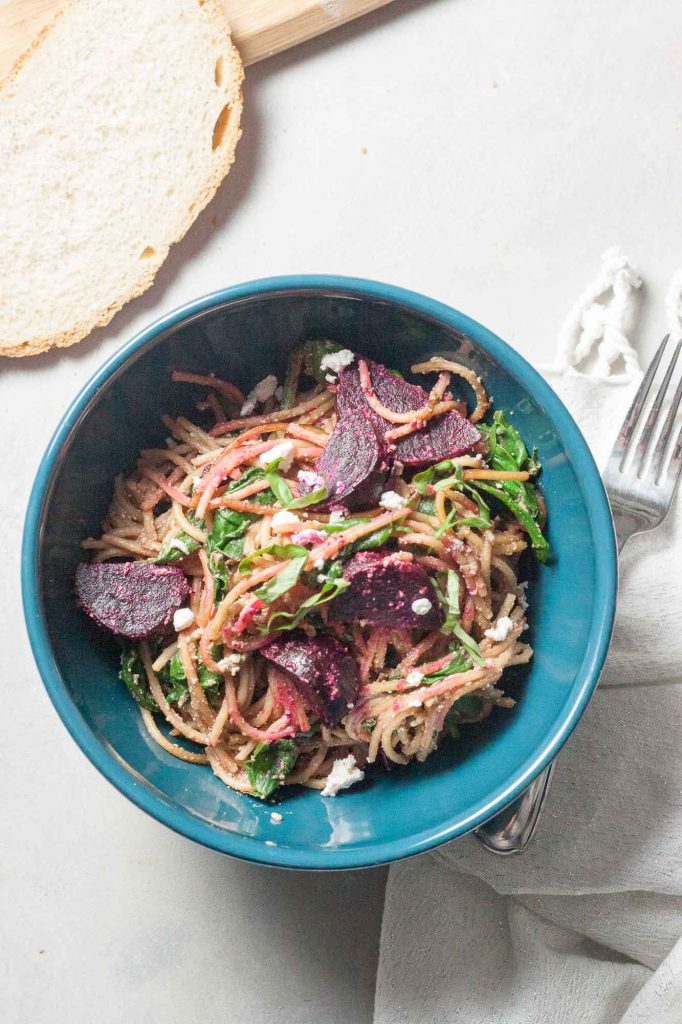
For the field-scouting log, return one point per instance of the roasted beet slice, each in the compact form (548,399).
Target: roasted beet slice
(322,669)
(387,590)
(131,599)
(442,438)
(354,463)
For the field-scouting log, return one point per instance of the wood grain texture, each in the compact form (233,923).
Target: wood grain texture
(260,28)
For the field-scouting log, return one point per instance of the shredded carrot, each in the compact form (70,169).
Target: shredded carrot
(225,387)
(321,398)
(166,485)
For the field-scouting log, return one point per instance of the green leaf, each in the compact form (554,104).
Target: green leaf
(250,476)
(132,673)
(279,487)
(469,706)
(452,623)
(283,581)
(537,538)
(313,498)
(313,354)
(459,663)
(289,620)
(369,724)
(427,506)
(173,677)
(269,765)
(451,726)
(225,543)
(422,482)
(313,731)
(175,548)
(278,550)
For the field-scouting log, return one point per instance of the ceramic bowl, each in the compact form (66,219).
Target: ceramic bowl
(244,333)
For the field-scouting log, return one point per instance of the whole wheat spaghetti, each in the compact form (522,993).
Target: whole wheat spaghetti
(252,509)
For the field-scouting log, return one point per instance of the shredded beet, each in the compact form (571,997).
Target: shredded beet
(322,669)
(387,590)
(443,437)
(354,463)
(131,599)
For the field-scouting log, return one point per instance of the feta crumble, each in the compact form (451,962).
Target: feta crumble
(179,545)
(309,478)
(318,563)
(414,677)
(230,663)
(335,362)
(392,501)
(183,618)
(276,817)
(263,390)
(284,518)
(343,775)
(336,516)
(500,631)
(421,606)
(282,451)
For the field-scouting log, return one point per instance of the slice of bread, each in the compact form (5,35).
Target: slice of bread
(116,129)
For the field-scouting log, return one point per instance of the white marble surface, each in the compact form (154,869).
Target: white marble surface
(507,144)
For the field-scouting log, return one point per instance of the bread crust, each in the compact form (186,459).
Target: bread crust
(224,158)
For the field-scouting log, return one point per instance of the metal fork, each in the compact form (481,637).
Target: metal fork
(640,479)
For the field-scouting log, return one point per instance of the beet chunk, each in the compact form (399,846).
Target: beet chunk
(383,590)
(442,438)
(354,463)
(322,669)
(131,599)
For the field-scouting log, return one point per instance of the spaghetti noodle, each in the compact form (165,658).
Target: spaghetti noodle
(240,507)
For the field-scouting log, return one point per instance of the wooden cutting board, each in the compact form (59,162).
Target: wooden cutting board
(260,28)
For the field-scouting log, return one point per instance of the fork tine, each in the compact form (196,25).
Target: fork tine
(658,464)
(648,434)
(627,431)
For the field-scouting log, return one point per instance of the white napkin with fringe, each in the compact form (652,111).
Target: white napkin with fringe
(586,926)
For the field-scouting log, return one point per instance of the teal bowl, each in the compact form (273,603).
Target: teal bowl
(243,333)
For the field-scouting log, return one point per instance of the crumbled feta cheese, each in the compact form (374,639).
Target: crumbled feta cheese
(309,537)
(337,515)
(500,631)
(179,545)
(230,663)
(309,478)
(183,618)
(421,606)
(196,480)
(321,578)
(330,378)
(344,774)
(318,563)
(281,451)
(276,817)
(263,390)
(414,677)
(269,842)
(284,518)
(335,362)
(523,596)
(392,501)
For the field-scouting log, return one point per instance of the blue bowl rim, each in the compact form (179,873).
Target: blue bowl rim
(379,852)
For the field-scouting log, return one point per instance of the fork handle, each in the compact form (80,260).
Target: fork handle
(512,828)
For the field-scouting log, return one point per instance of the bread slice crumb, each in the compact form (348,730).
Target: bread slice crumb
(111,144)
